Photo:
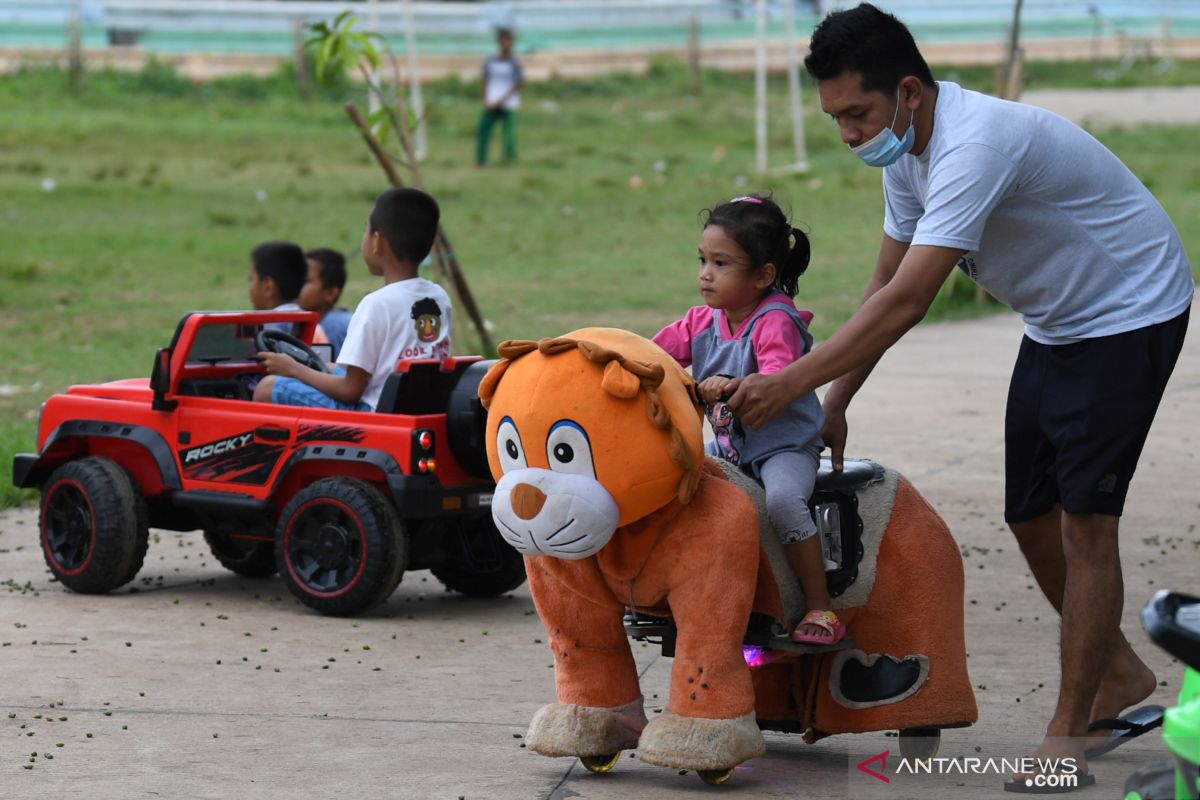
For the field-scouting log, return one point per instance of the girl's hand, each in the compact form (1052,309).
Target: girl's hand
(714,388)
(278,364)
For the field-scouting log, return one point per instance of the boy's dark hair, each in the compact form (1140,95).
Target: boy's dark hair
(426,305)
(283,261)
(870,42)
(408,219)
(504,32)
(332,266)
(759,226)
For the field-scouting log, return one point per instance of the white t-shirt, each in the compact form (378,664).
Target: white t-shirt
(500,75)
(406,319)
(1054,224)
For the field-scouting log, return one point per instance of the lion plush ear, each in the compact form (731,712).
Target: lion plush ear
(509,349)
(487,386)
(620,382)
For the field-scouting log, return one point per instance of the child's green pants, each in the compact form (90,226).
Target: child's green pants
(486,121)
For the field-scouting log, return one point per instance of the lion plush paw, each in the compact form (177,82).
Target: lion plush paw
(692,743)
(569,730)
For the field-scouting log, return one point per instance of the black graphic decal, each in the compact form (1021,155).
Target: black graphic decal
(329,433)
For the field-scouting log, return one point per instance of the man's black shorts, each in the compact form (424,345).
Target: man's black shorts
(1077,418)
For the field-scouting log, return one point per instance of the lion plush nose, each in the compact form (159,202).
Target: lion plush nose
(527,501)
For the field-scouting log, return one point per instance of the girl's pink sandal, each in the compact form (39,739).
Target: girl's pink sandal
(834,629)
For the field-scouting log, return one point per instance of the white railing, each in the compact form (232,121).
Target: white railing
(618,19)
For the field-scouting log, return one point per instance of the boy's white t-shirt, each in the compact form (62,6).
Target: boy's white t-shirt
(405,319)
(500,76)
(1054,224)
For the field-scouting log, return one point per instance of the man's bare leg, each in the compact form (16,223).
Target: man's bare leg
(1124,680)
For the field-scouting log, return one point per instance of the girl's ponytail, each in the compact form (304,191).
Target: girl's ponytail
(792,264)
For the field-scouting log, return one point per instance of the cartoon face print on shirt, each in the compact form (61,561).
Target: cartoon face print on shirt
(726,430)
(428,317)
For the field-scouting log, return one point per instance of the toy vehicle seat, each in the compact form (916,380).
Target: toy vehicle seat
(422,386)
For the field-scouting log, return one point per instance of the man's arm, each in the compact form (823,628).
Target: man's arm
(348,389)
(886,315)
(837,399)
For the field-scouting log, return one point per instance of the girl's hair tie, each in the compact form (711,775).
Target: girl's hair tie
(747,198)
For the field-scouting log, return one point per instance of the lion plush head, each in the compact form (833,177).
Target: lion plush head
(586,433)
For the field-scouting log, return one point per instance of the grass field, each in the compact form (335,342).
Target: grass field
(140,196)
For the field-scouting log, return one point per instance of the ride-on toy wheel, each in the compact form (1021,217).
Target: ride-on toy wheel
(489,567)
(715,777)
(92,525)
(599,764)
(340,547)
(920,744)
(251,557)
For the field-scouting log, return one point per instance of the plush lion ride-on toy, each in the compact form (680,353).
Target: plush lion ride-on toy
(596,444)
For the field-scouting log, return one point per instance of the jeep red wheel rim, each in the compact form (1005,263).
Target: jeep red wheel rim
(326,548)
(68,527)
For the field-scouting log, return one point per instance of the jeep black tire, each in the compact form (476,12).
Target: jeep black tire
(340,547)
(252,558)
(487,567)
(92,525)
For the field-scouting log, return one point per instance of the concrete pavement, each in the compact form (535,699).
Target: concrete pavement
(200,684)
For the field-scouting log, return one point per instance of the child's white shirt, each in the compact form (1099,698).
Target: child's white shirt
(406,319)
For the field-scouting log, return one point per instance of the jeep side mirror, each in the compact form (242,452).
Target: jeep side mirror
(160,381)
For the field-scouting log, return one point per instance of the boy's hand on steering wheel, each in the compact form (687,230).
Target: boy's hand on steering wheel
(279,364)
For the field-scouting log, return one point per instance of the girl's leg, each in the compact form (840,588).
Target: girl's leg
(789,479)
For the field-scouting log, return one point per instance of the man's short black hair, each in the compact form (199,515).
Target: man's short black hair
(867,41)
(331,265)
(408,219)
(283,261)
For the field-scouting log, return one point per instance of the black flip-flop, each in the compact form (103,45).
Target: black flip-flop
(1082,781)
(1130,726)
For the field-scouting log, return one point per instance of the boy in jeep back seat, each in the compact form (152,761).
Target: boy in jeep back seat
(408,318)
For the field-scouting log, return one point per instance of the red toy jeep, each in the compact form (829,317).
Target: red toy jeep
(339,502)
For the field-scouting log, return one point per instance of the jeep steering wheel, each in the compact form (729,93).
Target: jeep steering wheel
(273,341)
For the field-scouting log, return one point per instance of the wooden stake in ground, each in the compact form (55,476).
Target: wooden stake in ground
(444,256)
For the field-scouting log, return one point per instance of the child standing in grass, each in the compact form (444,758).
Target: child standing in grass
(751,259)
(502,82)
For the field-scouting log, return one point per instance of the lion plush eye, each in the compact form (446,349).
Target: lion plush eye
(508,445)
(568,449)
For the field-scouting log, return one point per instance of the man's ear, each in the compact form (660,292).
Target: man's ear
(269,285)
(332,295)
(911,91)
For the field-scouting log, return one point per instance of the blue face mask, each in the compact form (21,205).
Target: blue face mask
(885,147)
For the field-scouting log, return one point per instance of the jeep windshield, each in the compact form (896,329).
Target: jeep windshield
(221,342)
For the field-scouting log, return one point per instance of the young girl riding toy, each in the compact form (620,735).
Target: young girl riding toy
(751,259)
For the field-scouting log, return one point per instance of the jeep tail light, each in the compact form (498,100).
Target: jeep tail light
(422,451)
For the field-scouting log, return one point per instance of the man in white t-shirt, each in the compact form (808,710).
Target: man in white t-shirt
(1044,217)
(409,317)
(502,82)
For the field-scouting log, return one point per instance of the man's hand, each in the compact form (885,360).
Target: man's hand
(834,433)
(757,399)
(714,388)
(279,364)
